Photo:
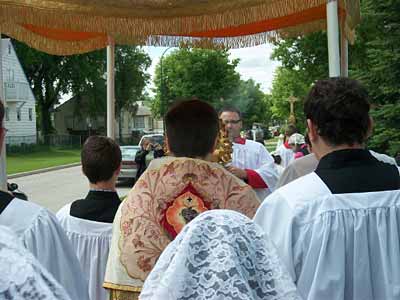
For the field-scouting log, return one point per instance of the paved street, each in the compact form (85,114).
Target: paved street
(56,188)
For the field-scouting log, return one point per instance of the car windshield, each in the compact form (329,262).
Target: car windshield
(157,139)
(129,153)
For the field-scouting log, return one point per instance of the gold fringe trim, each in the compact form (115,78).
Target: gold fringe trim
(52,46)
(157,31)
(131,27)
(133,21)
(68,48)
(121,295)
(120,287)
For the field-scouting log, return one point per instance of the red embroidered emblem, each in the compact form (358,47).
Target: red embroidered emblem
(183,209)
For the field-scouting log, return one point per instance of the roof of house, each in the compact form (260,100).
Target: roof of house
(143,111)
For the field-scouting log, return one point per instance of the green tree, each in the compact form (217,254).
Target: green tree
(50,76)
(304,60)
(252,102)
(45,74)
(307,55)
(131,64)
(288,82)
(376,62)
(84,77)
(374,59)
(206,74)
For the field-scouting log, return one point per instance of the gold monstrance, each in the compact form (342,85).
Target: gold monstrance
(224,149)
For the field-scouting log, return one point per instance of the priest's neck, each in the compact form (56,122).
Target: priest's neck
(103,185)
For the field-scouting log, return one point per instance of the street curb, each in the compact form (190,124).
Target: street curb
(22,174)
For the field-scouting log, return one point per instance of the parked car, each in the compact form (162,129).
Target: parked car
(128,165)
(156,138)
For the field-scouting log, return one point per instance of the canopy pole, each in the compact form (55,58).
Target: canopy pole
(3,162)
(333,38)
(344,52)
(110,88)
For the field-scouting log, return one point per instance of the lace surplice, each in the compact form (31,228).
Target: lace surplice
(22,277)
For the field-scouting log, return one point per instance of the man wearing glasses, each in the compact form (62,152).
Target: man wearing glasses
(251,161)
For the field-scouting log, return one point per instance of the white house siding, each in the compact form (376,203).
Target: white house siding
(18,95)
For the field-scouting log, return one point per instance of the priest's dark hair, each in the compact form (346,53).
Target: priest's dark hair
(339,108)
(192,127)
(100,158)
(230,108)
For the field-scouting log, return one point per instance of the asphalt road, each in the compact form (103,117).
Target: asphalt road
(54,189)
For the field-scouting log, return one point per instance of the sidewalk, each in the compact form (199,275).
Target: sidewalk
(22,174)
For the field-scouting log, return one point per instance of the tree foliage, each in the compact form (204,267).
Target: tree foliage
(210,76)
(288,83)
(374,59)
(252,102)
(206,74)
(46,75)
(377,65)
(82,76)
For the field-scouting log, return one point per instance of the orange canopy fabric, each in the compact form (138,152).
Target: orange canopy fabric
(77,26)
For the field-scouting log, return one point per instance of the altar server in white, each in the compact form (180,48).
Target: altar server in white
(337,229)
(88,222)
(284,150)
(251,161)
(40,232)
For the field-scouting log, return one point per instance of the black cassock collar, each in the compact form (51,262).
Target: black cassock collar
(357,171)
(99,206)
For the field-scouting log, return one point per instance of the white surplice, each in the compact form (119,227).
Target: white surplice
(43,236)
(336,246)
(22,276)
(307,164)
(254,156)
(287,155)
(91,241)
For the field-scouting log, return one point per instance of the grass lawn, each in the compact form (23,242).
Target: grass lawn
(271,148)
(271,144)
(43,158)
(272,140)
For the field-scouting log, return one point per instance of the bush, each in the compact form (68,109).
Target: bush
(22,148)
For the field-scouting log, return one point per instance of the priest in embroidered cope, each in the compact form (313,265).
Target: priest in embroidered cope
(251,160)
(170,193)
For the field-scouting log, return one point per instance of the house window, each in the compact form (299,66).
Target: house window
(139,122)
(10,75)
(7,114)
(19,114)
(30,114)
(149,122)
(9,49)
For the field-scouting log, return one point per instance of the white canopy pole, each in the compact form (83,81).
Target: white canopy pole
(333,38)
(110,88)
(3,164)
